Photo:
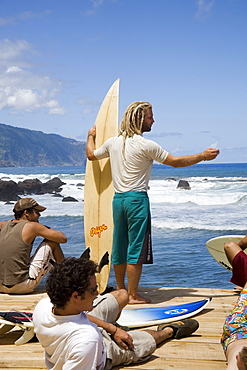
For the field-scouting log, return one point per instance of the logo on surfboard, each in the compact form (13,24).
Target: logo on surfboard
(176,312)
(98,230)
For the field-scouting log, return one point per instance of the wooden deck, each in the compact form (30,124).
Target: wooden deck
(200,351)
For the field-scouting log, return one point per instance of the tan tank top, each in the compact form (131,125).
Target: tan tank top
(14,254)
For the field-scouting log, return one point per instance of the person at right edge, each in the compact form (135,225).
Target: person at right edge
(131,157)
(234,336)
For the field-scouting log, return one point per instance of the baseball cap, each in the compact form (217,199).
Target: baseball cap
(25,203)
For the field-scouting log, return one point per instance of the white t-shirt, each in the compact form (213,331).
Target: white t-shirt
(70,342)
(131,172)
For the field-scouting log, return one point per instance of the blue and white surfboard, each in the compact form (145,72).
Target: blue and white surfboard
(145,316)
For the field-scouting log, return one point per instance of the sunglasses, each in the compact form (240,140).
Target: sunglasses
(93,290)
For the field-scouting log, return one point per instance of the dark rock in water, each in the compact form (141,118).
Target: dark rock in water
(8,191)
(8,203)
(56,195)
(170,179)
(80,184)
(69,199)
(53,185)
(11,191)
(30,186)
(183,184)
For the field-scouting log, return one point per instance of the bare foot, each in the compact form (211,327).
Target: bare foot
(138,299)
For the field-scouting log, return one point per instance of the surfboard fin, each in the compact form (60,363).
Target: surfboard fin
(27,335)
(104,261)
(86,254)
(4,328)
(23,320)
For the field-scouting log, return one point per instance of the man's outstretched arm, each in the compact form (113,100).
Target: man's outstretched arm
(188,160)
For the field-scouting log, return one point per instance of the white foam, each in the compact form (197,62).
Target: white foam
(212,204)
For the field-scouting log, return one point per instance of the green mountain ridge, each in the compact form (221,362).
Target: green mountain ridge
(20,147)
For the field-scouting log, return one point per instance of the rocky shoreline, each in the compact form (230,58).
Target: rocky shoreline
(12,191)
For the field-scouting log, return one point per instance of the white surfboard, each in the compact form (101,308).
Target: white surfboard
(133,317)
(150,316)
(215,247)
(98,190)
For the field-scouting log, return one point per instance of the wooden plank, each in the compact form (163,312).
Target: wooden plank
(167,364)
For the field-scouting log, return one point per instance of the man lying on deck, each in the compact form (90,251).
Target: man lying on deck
(19,272)
(74,340)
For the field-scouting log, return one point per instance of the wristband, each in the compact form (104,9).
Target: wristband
(114,332)
(91,135)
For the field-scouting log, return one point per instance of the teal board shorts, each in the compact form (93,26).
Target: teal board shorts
(132,229)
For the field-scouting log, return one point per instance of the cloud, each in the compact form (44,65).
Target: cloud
(204,8)
(6,20)
(214,145)
(177,150)
(95,5)
(24,16)
(88,104)
(21,90)
(164,134)
(14,52)
(54,107)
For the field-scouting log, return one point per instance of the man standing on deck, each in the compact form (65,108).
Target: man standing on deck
(131,157)
(19,273)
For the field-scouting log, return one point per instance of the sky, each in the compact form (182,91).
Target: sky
(188,58)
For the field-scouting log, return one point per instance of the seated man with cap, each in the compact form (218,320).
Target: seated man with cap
(19,272)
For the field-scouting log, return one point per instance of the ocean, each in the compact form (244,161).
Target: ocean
(182,220)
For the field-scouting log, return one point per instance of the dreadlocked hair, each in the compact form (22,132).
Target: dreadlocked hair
(133,119)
